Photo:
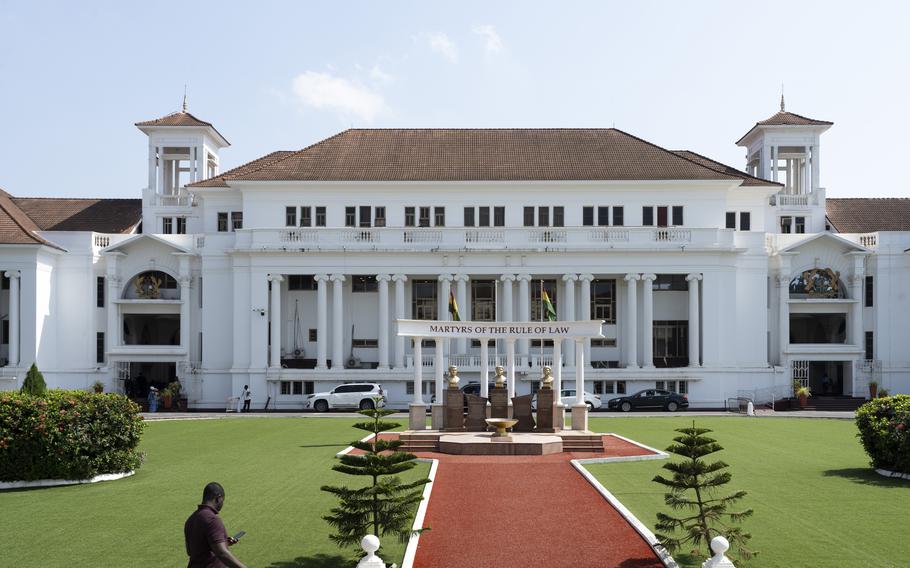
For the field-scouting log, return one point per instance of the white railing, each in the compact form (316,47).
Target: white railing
(200,241)
(541,361)
(869,240)
(673,235)
(609,235)
(175,200)
(101,241)
(784,200)
(485,236)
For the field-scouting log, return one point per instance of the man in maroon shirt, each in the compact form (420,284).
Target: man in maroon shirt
(207,540)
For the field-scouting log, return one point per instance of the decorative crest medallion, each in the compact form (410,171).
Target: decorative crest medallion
(148,287)
(817,283)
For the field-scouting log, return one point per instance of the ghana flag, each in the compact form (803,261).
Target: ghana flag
(453,307)
(548,309)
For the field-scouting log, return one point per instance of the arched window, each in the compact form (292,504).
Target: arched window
(817,283)
(152,285)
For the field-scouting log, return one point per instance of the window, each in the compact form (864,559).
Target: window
(366,219)
(423,299)
(426,387)
(537,313)
(313,335)
(617,216)
(671,282)
(409,217)
(200,346)
(647,216)
(671,343)
(870,342)
(364,283)
(181,225)
(439,216)
(483,216)
(350,216)
(662,217)
(603,301)
(559,216)
(603,216)
(222,222)
(290,217)
(543,216)
(731,219)
(320,216)
(677,215)
(870,292)
(603,342)
(99,347)
(99,291)
(365,343)
(236,220)
(424,216)
(483,300)
(302,282)
(786,225)
(799,225)
(587,216)
(295,387)
(528,216)
(200,291)
(167,225)
(745,221)
(468,216)
(306,216)
(499,216)
(379,216)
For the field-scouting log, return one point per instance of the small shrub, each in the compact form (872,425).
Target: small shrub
(67,435)
(98,387)
(884,429)
(34,382)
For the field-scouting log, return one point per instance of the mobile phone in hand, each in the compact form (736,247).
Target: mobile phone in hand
(237,536)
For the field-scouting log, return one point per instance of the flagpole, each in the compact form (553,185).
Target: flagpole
(541,316)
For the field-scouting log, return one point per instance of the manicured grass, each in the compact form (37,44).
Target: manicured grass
(816,500)
(271,470)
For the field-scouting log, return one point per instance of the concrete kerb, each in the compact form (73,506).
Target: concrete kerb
(893,474)
(4,485)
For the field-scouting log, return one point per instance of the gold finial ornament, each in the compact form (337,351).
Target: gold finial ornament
(453,377)
(500,376)
(547,380)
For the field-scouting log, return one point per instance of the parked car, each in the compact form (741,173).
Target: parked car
(650,398)
(472,387)
(569,398)
(350,395)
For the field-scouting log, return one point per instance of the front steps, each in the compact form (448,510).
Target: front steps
(822,404)
(428,441)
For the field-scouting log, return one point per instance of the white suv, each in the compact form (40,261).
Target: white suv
(350,395)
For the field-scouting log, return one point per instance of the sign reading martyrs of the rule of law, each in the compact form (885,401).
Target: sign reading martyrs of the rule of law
(492,329)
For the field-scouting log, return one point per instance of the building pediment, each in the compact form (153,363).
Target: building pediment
(158,241)
(831,239)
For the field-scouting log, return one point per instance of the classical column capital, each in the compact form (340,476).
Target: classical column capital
(461,277)
(399,278)
(321,278)
(692,277)
(273,278)
(445,277)
(13,274)
(586,277)
(508,278)
(631,277)
(383,277)
(524,277)
(569,277)
(338,278)
(649,276)
(783,281)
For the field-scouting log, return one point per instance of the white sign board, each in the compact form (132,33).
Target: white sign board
(497,329)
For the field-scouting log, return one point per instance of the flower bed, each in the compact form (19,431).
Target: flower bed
(67,435)
(884,428)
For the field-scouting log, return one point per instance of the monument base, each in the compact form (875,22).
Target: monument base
(438,414)
(512,445)
(417,419)
(580,417)
(559,417)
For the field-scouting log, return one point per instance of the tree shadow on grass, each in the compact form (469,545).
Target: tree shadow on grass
(866,476)
(315,561)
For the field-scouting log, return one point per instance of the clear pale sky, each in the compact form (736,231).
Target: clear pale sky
(75,76)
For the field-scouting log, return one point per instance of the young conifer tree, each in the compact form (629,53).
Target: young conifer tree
(386,505)
(34,382)
(693,489)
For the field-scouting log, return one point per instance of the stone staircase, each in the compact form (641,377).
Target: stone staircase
(582,442)
(419,442)
(571,442)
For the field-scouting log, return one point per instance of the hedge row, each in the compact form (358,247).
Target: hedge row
(884,428)
(67,435)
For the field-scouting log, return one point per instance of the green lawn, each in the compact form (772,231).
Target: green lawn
(816,501)
(271,470)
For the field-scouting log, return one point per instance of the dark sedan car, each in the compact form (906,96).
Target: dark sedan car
(472,387)
(650,398)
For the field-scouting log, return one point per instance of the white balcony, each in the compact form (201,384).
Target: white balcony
(483,239)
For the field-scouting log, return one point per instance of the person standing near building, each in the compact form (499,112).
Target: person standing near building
(247,398)
(205,537)
(153,399)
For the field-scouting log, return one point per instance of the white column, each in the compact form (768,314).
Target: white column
(439,366)
(856,324)
(14,276)
(383,280)
(113,311)
(816,182)
(510,362)
(524,309)
(275,320)
(507,302)
(647,324)
(399,280)
(557,371)
(161,162)
(584,309)
(579,373)
(461,299)
(153,164)
(631,342)
(568,312)
(321,320)
(337,321)
(185,299)
(445,291)
(484,367)
(418,370)
(783,315)
(694,322)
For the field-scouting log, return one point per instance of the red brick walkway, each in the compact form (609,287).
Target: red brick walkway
(521,511)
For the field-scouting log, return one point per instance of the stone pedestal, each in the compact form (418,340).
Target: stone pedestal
(559,416)
(418,417)
(499,402)
(521,410)
(580,417)
(454,410)
(545,414)
(438,417)
(477,413)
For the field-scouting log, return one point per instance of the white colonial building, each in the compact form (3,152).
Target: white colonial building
(289,272)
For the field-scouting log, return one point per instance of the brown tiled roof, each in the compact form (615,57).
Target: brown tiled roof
(868,214)
(99,215)
(179,118)
(16,228)
(479,155)
(784,118)
(219,180)
(748,181)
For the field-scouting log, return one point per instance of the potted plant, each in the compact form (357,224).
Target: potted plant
(803,395)
(98,387)
(167,397)
(873,389)
(882,393)
(174,388)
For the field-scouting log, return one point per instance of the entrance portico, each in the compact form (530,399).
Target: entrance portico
(577,331)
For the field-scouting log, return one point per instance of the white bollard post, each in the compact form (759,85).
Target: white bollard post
(370,544)
(750,409)
(719,545)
